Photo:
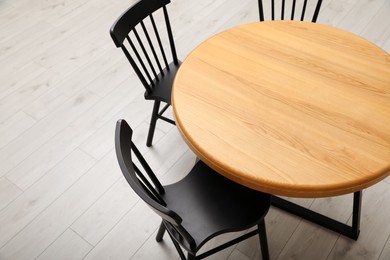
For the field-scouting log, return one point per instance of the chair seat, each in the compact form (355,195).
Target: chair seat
(163,86)
(197,208)
(212,204)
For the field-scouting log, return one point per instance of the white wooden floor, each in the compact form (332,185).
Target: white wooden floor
(63,85)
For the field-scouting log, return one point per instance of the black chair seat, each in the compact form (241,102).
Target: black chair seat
(210,204)
(202,205)
(163,86)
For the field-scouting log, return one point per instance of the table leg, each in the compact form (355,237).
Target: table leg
(332,224)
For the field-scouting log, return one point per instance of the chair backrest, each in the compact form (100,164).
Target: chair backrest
(147,187)
(289,9)
(139,47)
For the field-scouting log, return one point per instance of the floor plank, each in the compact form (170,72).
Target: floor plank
(118,244)
(27,206)
(24,145)
(44,229)
(14,126)
(8,192)
(68,246)
(105,213)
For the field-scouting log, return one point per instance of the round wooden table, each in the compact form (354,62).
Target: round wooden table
(289,108)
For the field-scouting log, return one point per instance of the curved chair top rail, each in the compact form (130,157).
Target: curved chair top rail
(132,16)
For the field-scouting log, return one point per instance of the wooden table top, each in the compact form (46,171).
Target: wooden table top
(289,108)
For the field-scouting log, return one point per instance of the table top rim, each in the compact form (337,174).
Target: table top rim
(294,190)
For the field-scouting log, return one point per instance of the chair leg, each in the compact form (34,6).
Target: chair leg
(153,121)
(191,257)
(177,246)
(160,232)
(263,240)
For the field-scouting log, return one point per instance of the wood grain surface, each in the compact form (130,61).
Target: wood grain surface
(289,108)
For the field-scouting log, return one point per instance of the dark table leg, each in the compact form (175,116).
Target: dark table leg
(332,224)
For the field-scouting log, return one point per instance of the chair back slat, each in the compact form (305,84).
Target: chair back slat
(147,168)
(151,46)
(148,187)
(303,10)
(300,7)
(136,69)
(317,11)
(261,10)
(140,62)
(293,9)
(171,41)
(159,40)
(145,49)
(145,53)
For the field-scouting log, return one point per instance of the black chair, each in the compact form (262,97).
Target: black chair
(146,53)
(197,208)
(290,9)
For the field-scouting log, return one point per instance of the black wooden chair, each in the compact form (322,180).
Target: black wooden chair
(290,10)
(197,208)
(146,54)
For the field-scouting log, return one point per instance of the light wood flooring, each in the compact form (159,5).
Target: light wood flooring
(63,85)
